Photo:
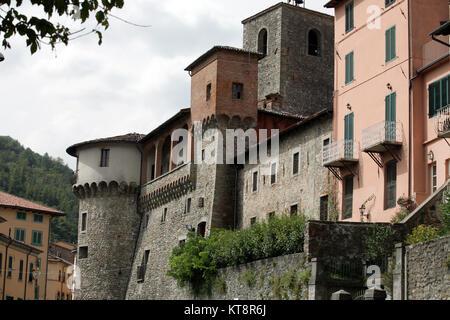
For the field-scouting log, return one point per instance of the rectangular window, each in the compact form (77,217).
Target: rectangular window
(391,185)
(348,197)
(255,181)
(294,210)
(349,68)
(438,94)
(21,216)
(433,177)
(188,205)
(21,270)
(391,117)
(349,132)
(10,266)
(36,238)
(83,253)
(104,161)
(238,91)
(388,2)
(349,17)
(324,208)
(164,216)
(38,218)
(30,273)
(208,92)
(273,173)
(147,219)
(19,235)
(252,221)
(83,222)
(391,52)
(296,163)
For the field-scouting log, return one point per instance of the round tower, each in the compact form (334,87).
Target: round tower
(107,179)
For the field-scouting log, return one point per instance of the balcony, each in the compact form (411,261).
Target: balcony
(443,122)
(382,137)
(340,154)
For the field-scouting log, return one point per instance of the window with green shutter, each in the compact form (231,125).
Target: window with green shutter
(37,238)
(38,218)
(21,216)
(391,52)
(391,185)
(349,68)
(391,117)
(349,17)
(19,235)
(349,135)
(438,94)
(348,197)
(388,2)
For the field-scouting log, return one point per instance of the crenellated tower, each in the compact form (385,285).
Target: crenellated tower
(108,176)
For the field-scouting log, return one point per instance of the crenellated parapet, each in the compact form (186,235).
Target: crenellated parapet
(104,189)
(167,193)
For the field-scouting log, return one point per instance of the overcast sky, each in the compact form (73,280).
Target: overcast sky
(132,83)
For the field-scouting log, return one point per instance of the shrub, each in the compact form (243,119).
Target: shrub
(445,208)
(197,261)
(422,233)
(379,243)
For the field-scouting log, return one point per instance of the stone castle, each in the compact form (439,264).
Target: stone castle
(137,203)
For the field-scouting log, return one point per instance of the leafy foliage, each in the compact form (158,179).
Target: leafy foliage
(38,30)
(379,243)
(445,208)
(196,262)
(422,233)
(41,179)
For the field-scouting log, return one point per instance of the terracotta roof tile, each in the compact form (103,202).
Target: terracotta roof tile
(9,201)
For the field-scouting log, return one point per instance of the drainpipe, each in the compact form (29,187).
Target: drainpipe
(410,103)
(6,261)
(26,277)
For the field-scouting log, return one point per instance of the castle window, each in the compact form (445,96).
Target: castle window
(201,202)
(263,41)
(164,216)
(238,91)
(314,43)
(83,222)
(252,221)
(201,229)
(295,163)
(147,218)
(208,92)
(188,206)
(324,208)
(255,181)
(83,253)
(104,160)
(294,210)
(273,173)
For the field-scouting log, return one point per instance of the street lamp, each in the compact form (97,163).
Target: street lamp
(362,210)
(2,57)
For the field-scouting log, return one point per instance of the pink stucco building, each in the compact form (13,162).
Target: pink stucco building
(390,104)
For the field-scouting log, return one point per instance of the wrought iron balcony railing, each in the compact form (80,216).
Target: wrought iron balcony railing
(340,153)
(376,137)
(443,122)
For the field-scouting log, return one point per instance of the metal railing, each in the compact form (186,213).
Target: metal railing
(382,132)
(443,120)
(340,150)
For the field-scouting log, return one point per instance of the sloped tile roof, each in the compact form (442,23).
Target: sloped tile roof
(12,202)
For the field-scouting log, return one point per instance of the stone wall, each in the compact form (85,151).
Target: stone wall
(428,270)
(110,239)
(280,278)
(303,189)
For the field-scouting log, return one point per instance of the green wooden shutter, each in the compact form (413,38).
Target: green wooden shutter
(349,135)
(349,69)
(390,44)
(391,117)
(431,100)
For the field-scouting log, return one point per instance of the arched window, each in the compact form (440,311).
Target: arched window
(314,43)
(201,229)
(166,149)
(262,41)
